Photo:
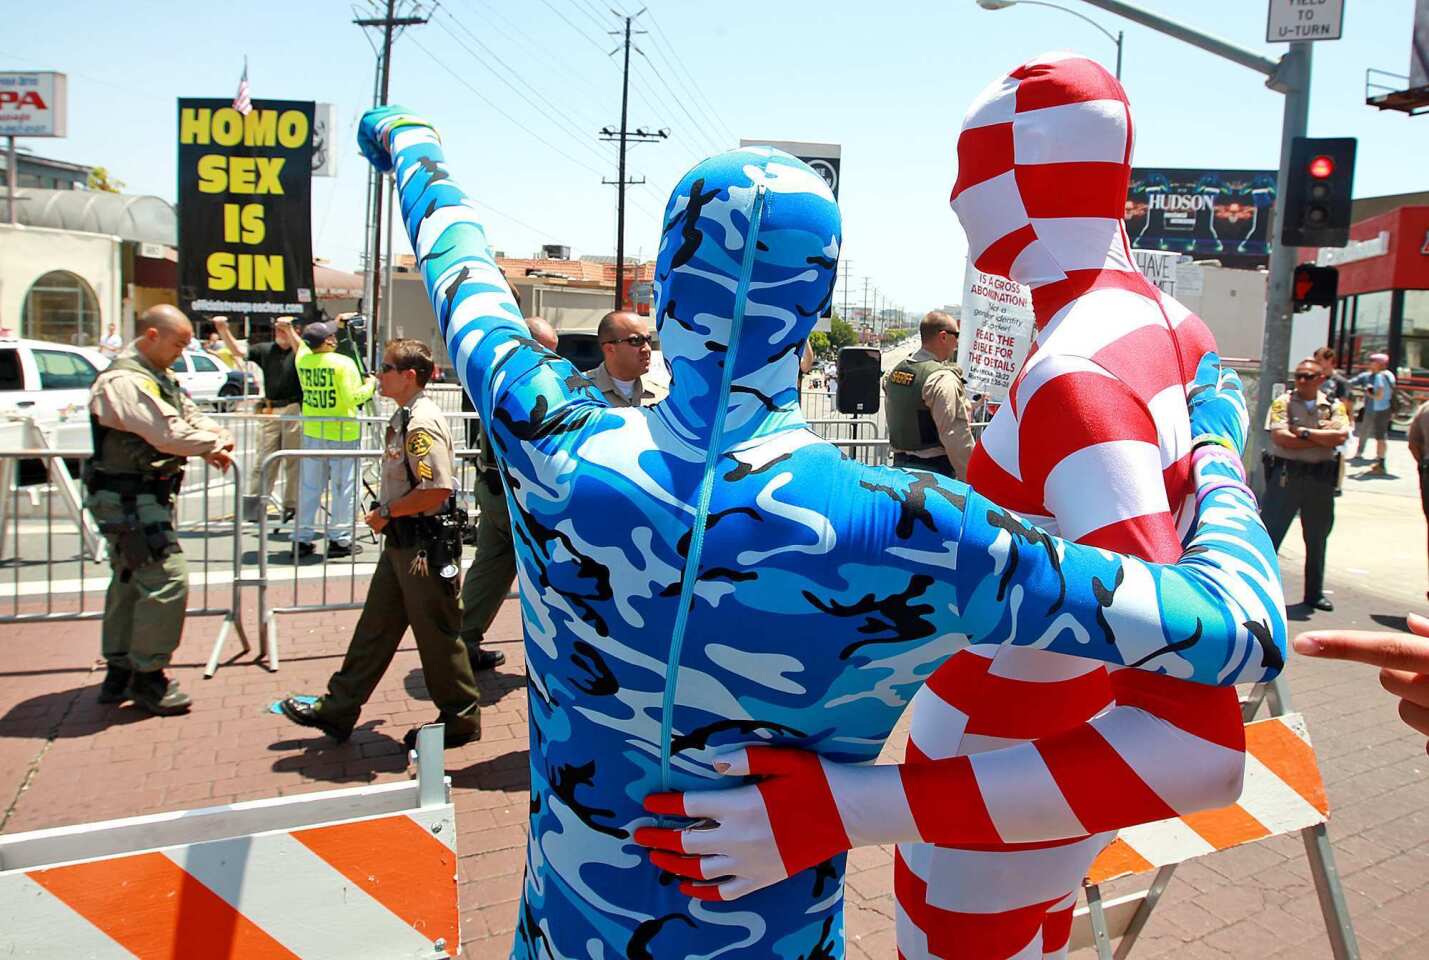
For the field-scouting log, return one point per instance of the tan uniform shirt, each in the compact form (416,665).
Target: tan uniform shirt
(1289,410)
(640,395)
(426,450)
(126,400)
(948,403)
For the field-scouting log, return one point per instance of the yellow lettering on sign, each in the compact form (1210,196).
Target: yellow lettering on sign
(193,125)
(267,271)
(220,174)
(268,170)
(243,223)
(241,175)
(228,127)
(220,271)
(245,271)
(293,129)
(260,128)
(212,173)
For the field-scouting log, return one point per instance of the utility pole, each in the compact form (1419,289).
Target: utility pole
(846,265)
(623,136)
(371,286)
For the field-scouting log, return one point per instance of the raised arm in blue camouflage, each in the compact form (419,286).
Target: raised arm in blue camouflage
(707,573)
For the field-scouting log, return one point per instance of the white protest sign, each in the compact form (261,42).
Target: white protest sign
(1159,268)
(997,325)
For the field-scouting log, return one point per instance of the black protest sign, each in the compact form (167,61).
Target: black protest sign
(245,212)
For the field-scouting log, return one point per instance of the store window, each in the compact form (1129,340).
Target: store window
(61,308)
(1415,354)
(1371,328)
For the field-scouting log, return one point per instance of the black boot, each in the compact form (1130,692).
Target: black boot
(115,687)
(158,694)
(307,715)
(482,659)
(457,731)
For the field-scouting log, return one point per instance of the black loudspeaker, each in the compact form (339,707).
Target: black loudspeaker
(859,371)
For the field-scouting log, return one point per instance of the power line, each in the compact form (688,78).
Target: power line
(596,43)
(375,182)
(623,136)
(698,93)
(679,101)
(586,7)
(487,100)
(554,113)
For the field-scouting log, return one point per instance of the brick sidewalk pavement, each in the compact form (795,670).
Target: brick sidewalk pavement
(65,759)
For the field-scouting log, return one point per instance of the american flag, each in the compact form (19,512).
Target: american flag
(241,101)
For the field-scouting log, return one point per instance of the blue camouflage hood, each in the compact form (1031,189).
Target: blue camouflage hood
(747,263)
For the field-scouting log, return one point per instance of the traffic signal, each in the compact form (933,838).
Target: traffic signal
(1317,194)
(1316,286)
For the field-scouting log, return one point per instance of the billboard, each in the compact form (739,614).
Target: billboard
(1210,214)
(997,324)
(32,104)
(245,222)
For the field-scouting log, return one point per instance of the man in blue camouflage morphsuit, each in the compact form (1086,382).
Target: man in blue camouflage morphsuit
(706,573)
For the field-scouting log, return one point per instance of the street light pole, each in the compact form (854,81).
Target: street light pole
(1004,4)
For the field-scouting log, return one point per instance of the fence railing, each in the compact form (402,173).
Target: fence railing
(56,553)
(52,554)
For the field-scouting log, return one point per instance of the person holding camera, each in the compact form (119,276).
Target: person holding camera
(1301,469)
(416,580)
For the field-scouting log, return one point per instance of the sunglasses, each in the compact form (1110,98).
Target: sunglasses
(390,368)
(1307,376)
(635,340)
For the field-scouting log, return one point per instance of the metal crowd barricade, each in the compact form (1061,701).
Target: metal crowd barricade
(1283,794)
(63,538)
(871,452)
(844,428)
(327,600)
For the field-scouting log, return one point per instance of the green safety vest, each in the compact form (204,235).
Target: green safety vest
(119,452)
(332,387)
(910,422)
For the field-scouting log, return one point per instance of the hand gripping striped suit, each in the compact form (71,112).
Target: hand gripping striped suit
(706,574)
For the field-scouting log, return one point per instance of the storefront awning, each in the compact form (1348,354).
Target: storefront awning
(139,218)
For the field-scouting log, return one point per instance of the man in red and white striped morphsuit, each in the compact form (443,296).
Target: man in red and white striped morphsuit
(1093,444)
(1022,764)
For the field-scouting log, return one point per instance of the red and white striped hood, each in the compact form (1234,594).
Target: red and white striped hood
(1044,158)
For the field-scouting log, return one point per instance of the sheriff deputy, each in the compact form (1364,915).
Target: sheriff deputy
(145,428)
(927,404)
(416,580)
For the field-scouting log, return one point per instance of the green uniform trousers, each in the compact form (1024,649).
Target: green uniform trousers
(1309,490)
(493,569)
(143,611)
(396,599)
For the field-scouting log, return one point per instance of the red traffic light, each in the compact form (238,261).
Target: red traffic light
(1321,167)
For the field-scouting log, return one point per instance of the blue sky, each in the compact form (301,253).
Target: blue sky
(519,90)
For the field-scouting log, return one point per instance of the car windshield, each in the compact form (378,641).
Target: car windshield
(62,370)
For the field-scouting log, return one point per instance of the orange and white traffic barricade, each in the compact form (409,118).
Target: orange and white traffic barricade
(1283,793)
(362,872)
